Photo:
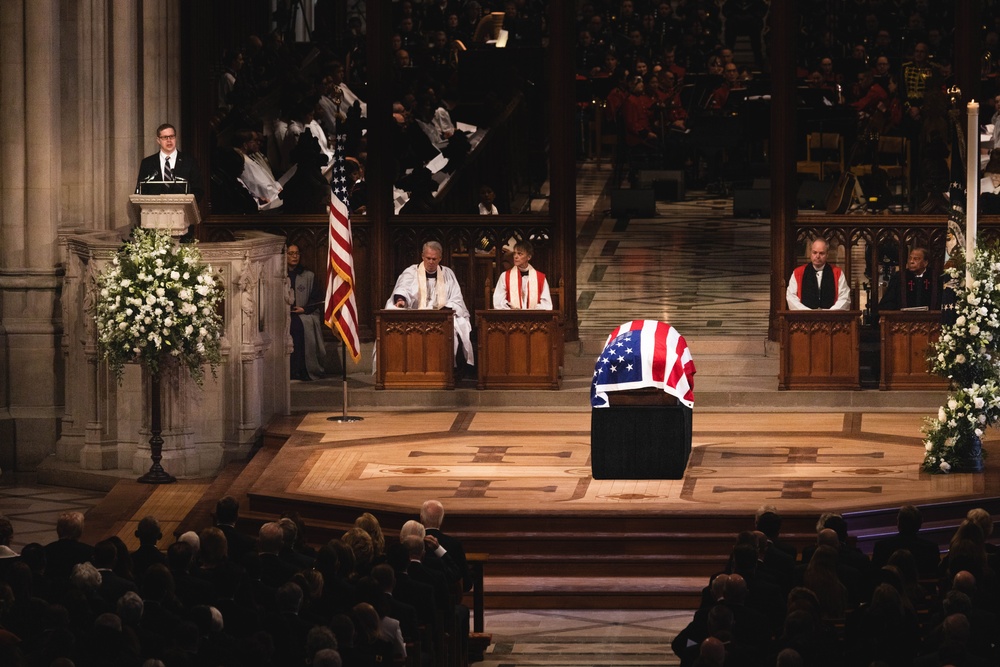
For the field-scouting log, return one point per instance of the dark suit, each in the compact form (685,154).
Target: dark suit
(915,292)
(418,595)
(457,553)
(62,555)
(405,613)
(113,587)
(927,554)
(145,556)
(182,165)
(239,544)
(420,572)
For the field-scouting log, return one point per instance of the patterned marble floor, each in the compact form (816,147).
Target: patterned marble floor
(33,508)
(553,638)
(486,464)
(692,265)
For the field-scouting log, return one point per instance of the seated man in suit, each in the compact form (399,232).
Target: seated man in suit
(926,553)
(522,287)
(430,286)
(169,165)
(818,285)
(919,287)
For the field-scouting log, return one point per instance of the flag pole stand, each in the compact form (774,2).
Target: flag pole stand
(344,417)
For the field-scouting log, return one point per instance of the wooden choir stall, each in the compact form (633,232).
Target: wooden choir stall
(819,349)
(519,349)
(906,340)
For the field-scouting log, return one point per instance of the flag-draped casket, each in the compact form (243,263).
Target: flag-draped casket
(642,394)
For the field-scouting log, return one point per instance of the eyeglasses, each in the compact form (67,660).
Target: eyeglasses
(168,137)
(293,253)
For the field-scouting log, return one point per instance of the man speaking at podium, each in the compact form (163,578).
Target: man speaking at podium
(430,286)
(169,171)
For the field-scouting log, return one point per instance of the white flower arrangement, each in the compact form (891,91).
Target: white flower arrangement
(156,301)
(967,354)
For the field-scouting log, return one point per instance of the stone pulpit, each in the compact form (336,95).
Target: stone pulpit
(106,425)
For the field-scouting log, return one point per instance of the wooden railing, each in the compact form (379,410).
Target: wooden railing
(473,248)
(862,243)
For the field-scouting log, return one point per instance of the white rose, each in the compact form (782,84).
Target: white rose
(978,402)
(174,275)
(959,358)
(928,446)
(941,415)
(983,311)
(960,321)
(944,466)
(952,404)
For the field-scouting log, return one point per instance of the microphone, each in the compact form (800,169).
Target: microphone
(138,188)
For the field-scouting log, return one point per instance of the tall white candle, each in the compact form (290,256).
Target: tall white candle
(971,187)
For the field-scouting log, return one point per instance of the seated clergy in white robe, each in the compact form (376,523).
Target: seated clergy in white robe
(430,286)
(522,288)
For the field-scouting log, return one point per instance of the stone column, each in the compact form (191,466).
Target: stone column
(30,278)
(125,143)
(161,70)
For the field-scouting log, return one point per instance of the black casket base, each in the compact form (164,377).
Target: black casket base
(640,441)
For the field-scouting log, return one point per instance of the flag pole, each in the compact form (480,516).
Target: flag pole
(344,417)
(341,312)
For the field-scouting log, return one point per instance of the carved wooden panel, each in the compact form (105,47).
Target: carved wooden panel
(519,349)
(906,339)
(819,349)
(415,349)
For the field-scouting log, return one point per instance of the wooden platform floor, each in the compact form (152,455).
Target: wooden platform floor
(495,464)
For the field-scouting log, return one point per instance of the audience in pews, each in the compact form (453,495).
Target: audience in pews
(276,605)
(899,614)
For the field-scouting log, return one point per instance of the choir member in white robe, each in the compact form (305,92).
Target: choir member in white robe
(522,287)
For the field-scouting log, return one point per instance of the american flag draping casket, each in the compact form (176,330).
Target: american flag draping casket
(634,434)
(642,354)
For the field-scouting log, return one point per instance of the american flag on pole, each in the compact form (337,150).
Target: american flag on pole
(644,353)
(341,313)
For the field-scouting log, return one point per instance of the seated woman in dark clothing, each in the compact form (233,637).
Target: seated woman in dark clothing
(306,326)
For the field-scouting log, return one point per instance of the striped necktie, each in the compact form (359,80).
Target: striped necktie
(168,174)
